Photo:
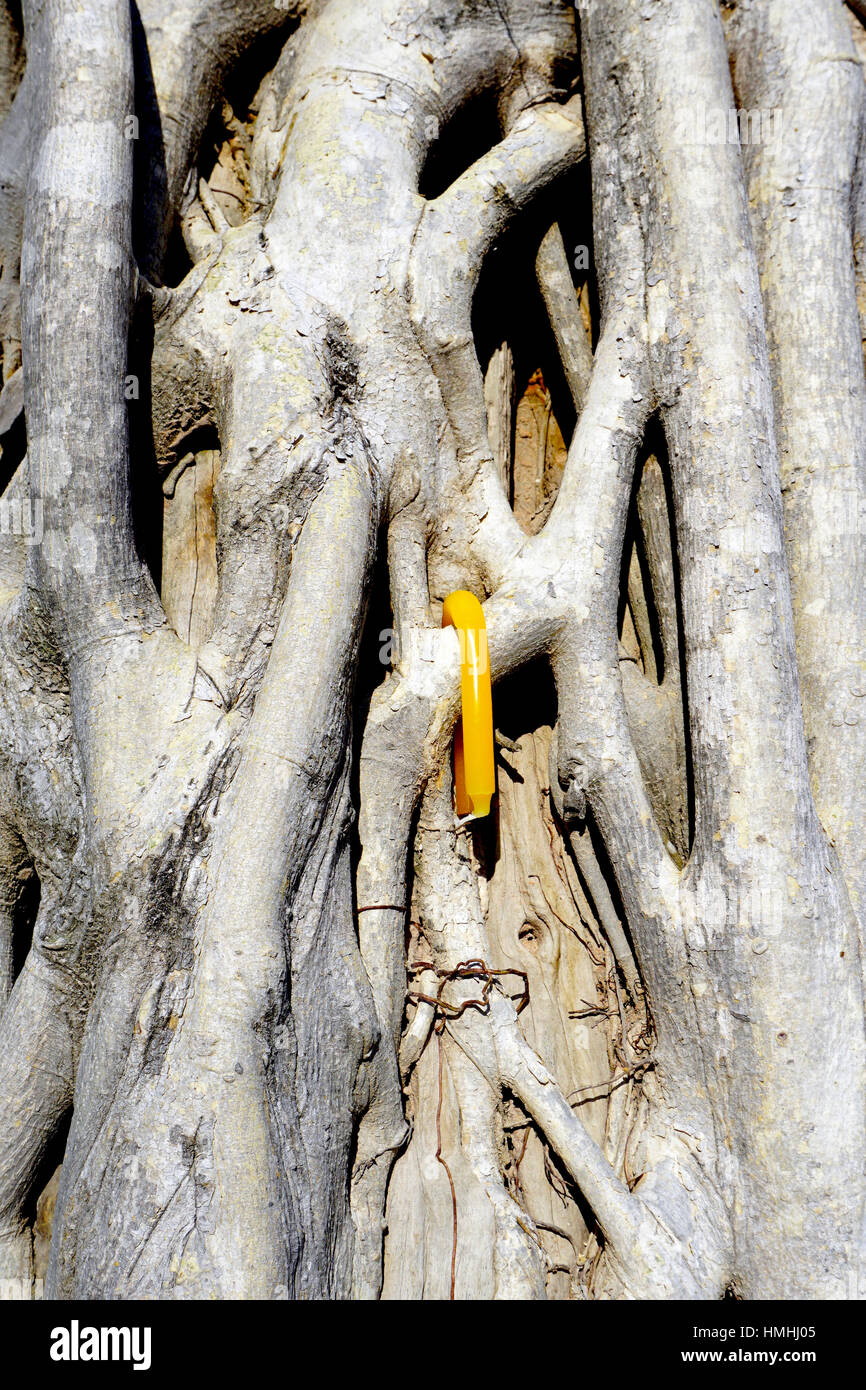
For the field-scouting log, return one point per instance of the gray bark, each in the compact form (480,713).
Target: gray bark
(252,890)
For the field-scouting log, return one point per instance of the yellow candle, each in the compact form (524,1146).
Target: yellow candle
(474,775)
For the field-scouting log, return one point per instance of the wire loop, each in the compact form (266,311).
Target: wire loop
(466,970)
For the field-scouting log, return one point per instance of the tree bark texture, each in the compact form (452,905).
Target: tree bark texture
(312,313)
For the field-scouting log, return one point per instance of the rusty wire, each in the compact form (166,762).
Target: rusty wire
(466,970)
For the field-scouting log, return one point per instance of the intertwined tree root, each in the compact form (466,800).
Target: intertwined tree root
(216,1001)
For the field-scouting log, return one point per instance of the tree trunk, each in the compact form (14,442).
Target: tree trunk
(311,314)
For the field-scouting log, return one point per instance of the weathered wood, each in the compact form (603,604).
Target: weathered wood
(244,988)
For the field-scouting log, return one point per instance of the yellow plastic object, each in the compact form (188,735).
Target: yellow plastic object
(474,774)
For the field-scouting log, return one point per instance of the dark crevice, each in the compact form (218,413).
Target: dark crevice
(509,308)
(664,464)
(48,1163)
(24,920)
(654,447)
(375,654)
(508,305)
(13,447)
(470,133)
(145,494)
(523,702)
(635,544)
